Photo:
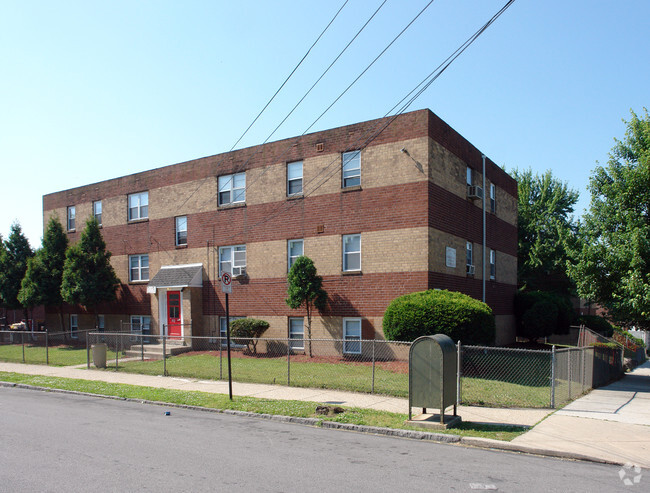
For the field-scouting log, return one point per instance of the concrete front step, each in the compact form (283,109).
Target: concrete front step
(155,351)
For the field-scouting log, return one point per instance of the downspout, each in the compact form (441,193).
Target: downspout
(484,235)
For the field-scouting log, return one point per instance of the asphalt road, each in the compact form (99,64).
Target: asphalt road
(61,442)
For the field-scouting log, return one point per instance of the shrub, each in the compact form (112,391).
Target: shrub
(539,320)
(247,330)
(564,314)
(597,324)
(439,312)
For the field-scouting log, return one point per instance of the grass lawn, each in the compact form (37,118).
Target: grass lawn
(365,417)
(340,376)
(58,356)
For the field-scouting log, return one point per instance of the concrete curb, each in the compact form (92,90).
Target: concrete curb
(485,443)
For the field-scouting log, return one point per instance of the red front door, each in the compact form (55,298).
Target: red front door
(174,314)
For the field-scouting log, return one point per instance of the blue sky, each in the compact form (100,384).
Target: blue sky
(95,90)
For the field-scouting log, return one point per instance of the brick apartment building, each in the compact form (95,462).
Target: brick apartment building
(381,213)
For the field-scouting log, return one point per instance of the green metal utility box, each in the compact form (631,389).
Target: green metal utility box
(432,374)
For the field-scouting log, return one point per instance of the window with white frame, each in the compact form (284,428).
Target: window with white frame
(138,206)
(223,327)
(232,259)
(295,249)
(97,211)
(139,267)
(181,230)
(470,258)
(493,265)
(469,176)
(294,178)
(74,326)
(297,333)
(101,323)
(493,199)
(351,169)
(140,324)
(232,189)
(72,213)
(352,335)
(351,252)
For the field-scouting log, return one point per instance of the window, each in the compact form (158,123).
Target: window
(140,324)
(351,252)
(181,230)
(101,325)
(294,178)
(223,334)
(469,176)
(232,259)
(138,267)
(295,249)
(351,169)
(138,206)
(71,218)
(74,326)
(232,189)
(493,199)
(97,211)
(470,260)
(493,265)
(352,335)
(297,333)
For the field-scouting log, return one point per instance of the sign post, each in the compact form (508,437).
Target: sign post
(226,287)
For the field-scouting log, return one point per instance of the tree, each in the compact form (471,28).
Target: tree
(248,331)
(306,289)
(546,231)
(88,277)
(13,267)
(42,282)
(613,265)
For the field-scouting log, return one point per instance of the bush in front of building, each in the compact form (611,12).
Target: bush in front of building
(439,312)
(535,324)
(597,324)
(247,331)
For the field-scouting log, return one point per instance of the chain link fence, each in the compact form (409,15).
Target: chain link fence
(489,376)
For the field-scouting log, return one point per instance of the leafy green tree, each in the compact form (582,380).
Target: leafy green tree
(42,282)
(248,331)
(306,289)
(546,231)
(613,265)
(88,277)
(13,267)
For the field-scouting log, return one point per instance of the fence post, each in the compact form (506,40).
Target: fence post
(372,387)
(289,362)
(142,346)
(553,378)
(117,350)
(220,358)
(570,373)
(458,356)
(47,348)
(164,338)
(22,341)
(87,354)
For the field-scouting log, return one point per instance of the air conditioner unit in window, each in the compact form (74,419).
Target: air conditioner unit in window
(474,192)
(470,270)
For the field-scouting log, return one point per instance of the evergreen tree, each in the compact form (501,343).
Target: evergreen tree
(306,289)
(13,267)
(42,282)
(88,277)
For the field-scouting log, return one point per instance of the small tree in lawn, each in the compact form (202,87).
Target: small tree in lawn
(306,289)
(88,277)
(42,282)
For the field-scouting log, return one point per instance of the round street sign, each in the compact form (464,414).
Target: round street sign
(226,280)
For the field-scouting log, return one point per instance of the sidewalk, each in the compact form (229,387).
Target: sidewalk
(609,424)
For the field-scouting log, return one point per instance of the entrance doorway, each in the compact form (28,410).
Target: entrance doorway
(174,314)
